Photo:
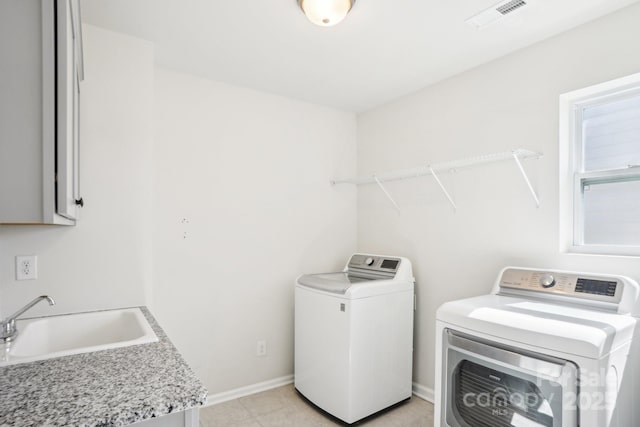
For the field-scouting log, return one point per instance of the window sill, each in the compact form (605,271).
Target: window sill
(604,250)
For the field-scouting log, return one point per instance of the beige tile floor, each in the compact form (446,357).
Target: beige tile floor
(283,406)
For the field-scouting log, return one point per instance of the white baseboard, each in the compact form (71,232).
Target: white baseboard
(424,393)
(247,390)
(419,390)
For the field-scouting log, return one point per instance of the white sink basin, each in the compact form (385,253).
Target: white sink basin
(55,336)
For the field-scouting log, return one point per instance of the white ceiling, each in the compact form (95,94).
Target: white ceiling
(382,50)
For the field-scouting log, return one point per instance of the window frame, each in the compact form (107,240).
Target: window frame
(571,162)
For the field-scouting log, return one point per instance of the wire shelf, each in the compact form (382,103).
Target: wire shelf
(451,166)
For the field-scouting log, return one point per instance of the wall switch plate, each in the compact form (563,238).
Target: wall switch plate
(261,348)
(26,267)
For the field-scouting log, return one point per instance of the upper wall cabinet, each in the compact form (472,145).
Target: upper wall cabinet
(40,74)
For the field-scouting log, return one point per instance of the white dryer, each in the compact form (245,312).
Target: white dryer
(544,349)
(354,336)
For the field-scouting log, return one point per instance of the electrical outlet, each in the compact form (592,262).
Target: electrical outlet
(26,267)
(261,348)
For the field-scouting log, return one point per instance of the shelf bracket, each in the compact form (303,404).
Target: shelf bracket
(526,179)
(444,190)
(386,193)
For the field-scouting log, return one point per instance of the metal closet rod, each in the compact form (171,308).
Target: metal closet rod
(451,166)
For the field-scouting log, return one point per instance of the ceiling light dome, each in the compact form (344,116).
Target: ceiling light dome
(326,12)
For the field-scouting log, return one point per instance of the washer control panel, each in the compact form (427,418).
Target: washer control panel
(597,288)
(372,262)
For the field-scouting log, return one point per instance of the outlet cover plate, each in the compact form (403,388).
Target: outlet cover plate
(261,348)
(26,267)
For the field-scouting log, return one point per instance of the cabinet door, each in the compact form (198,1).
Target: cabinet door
(68,77)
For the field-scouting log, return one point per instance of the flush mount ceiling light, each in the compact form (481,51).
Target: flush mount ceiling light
(326,12)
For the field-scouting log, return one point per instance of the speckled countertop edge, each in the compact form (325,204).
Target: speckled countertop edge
(112,388)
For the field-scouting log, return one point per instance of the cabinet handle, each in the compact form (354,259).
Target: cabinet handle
(80,202)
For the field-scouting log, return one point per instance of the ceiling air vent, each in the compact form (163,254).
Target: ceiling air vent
(497,12)
(512,6)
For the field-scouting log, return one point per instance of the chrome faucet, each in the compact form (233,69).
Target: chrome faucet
(8,329)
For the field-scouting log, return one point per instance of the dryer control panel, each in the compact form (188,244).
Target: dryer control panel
(590,287)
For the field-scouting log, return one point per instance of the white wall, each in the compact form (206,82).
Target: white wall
(508,103)
(105,260)
(250,173)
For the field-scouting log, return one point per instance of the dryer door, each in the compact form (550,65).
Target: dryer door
(490,385)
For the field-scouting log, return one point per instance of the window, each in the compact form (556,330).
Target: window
(600,168)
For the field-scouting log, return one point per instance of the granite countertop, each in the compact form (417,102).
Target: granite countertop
(112,387)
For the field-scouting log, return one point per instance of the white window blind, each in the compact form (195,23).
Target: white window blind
(611,133)
(611,212)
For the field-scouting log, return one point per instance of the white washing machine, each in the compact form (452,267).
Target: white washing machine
(544,349)
(354,336)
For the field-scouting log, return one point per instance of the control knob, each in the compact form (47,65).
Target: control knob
(547,281)
(368,261)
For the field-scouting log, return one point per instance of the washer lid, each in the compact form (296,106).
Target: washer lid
(565,328)
(331,282)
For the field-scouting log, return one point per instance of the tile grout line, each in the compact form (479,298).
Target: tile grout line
(284,403)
